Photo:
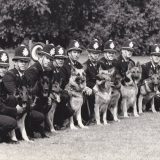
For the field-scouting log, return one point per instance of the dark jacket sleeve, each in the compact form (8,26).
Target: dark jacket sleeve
(9,83)
(10,86)
(6,110)
(64,77)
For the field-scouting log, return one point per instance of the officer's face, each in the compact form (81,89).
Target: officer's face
(109,56)
(3,70)
(22,65)
(155,59)
(74,55)
(127,53)
(59,62)
(46,63)
(93,57)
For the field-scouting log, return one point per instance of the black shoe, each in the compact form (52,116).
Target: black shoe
(12,142)
(43,135)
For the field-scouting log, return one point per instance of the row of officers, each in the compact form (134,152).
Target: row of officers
(57,63)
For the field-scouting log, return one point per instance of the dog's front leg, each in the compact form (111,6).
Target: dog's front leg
(114,111)
(140,101)
(105,116)
(124,107)
(72,126)
(97,114)
(21,126)
(153,106)
(135,109)
(13,135)
(79,119)
(50,118)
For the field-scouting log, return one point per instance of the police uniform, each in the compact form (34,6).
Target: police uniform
(151,68)
(122,64)
(7,113)
(33,76)
(110,65)
(13,80)
(91,69)
(68,63)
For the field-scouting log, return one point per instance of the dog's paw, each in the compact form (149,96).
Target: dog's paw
(136,115)
(126,116)
(140,112)
(105,123)
(84,127)
(99,124)
(117,120)
(72,127)
(154,111)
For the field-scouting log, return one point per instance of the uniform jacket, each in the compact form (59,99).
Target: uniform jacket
(122,65)
(33,73)
(66,71)
(4,109)
(149,69)
(12,81)
(91,72)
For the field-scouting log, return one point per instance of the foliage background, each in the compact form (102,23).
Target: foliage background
(61,20)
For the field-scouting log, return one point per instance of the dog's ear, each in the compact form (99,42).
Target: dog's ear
(73,70)
(139,66)
(100,69)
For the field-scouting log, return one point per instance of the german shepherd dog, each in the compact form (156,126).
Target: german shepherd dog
(102,91)
(75,87)
(129,89)
(148,90)
(51,94)
(22,98)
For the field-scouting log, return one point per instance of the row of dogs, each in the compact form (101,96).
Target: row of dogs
(107,92)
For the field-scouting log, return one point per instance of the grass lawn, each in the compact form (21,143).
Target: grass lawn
(130,139)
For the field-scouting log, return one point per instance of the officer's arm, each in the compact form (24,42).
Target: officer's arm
(6,110)
(9,83)
(64,77)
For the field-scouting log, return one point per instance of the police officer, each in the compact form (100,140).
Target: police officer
(63,110)
(124,60)
(7,113)
(74,51)
(15,78)
(33,76)
(152,67)
(108,61)
(91,68)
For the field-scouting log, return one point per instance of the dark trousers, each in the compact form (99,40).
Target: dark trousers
(64,109)
(7,124)
(88,108)
(35,122)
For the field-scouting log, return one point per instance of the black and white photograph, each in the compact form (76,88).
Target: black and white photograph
(79,79)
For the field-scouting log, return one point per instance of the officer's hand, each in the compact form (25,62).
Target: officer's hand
(87,90)
(19,109)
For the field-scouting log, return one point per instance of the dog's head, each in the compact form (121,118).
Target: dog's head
(45,85)
(103,80)
(78,77)
(134,72)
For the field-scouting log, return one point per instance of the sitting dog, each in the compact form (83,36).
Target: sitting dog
(53,99)
(22,98)
(148,90)
(129,89)
(102,91)
(75,87)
